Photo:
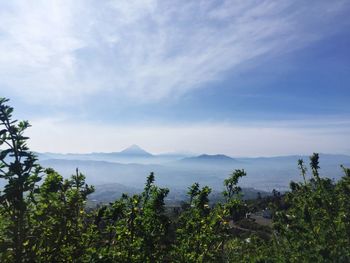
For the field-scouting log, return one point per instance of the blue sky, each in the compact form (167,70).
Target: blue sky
(245,78)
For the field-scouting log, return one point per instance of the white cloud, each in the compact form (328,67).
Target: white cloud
(61,51)
(255,139)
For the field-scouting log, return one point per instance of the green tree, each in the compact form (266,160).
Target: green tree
(233,196)
(315,226)
(134,229)
(19,169)
(199,234)
(59,221)
(46,223)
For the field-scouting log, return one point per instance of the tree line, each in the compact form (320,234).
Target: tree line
(45,218)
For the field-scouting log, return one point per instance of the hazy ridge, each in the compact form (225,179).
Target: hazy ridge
(127,170)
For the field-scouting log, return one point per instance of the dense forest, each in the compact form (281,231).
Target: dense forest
(45,218)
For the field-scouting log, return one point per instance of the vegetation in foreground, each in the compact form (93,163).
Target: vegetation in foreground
(44,218)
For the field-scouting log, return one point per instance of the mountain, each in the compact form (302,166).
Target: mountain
(131,166)
(135,150)
(132,154)
(209,159)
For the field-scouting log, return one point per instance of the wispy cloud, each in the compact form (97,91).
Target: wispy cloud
(63,51)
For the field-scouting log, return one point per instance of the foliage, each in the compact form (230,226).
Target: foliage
(48,221)
(133,229)
(232,194)
(43,223)
(19,169)
(199,231)
(58,218)
(316,225)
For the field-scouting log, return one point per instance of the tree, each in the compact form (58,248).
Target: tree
(199,233)
(21,172)
(232,194)
(59,221)
(44,223)
(315,226)
(133,229)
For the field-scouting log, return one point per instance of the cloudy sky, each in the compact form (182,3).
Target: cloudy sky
(240,77)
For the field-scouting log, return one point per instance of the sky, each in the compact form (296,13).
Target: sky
(239,77)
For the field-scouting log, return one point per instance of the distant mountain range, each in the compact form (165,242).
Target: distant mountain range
(132,154)
(126,171)
(208,159)
(130,167)
(135,154)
